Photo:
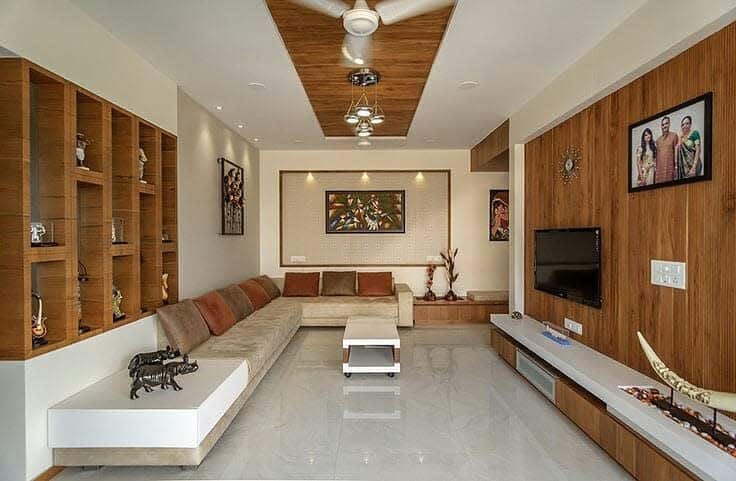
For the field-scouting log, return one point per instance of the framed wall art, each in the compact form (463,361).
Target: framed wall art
(365,212)
(672,147)
(498,222)
(233,198)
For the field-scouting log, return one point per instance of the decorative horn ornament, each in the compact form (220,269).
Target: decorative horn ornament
(713,399)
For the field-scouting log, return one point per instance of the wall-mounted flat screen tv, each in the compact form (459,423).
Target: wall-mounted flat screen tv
(567,263)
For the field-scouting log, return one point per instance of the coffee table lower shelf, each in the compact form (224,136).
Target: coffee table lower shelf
(371,359)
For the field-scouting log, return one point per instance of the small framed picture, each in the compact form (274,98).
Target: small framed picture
(498,222)
(233,198)
(672,147)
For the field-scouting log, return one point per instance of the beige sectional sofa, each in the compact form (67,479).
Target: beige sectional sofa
(260,338)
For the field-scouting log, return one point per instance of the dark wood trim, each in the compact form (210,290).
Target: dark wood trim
(282,264)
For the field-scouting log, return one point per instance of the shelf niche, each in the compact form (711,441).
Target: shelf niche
(92,237)
(90,123)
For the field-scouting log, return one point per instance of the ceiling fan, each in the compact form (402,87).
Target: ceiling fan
(360,21)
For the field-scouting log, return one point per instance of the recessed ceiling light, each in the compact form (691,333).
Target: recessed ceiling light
(241,126)
(257,86)
(430,141)
(298,141)
(218,107)
(468,84)
(256,139)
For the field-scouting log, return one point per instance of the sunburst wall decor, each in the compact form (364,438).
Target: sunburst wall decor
(569,164)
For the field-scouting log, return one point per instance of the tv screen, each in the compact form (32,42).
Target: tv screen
(567,263)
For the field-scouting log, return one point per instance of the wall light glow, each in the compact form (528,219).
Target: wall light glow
(310,177)
(419,177)
(365,177)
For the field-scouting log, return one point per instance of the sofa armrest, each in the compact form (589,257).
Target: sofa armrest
(405,297)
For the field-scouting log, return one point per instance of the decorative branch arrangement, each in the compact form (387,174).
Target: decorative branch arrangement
(449,258)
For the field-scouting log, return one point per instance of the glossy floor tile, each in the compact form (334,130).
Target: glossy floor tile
(456,412)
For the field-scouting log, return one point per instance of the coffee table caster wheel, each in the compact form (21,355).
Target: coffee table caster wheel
(348,374)
(390,374)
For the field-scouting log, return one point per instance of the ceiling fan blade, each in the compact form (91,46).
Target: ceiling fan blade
(356,51)
(393,11)
(333,8)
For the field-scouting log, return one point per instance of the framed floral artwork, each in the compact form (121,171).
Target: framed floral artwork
(233,198)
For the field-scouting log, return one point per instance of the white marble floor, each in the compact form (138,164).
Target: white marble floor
(456,412)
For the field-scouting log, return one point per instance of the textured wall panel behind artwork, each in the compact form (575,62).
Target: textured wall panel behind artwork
(303,219)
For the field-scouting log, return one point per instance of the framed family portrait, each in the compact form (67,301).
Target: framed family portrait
(365,212)
(498,223)
(233,198)
(672,147)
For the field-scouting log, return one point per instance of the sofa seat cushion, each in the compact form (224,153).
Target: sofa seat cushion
(344,307)
(257,338)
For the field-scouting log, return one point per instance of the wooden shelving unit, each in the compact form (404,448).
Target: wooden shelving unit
(41,181)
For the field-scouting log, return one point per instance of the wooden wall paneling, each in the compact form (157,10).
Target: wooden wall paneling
(150,220)
(692,330)
(15,203)
(492,153)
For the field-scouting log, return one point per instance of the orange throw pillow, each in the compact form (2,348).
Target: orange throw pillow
(375,284)
(301,284)
(216,312)
(256,293)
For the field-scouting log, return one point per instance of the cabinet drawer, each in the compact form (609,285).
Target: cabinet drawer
(503,346)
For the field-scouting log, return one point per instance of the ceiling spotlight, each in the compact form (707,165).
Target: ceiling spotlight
(298,141)
(430,141)
(241,126)
(257,86)
(468,84)
(256,139)
(218,107)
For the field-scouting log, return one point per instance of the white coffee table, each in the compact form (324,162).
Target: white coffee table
(370,345)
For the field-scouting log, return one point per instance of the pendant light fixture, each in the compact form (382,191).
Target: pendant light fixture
(362,114)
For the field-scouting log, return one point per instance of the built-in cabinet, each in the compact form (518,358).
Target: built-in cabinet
(42,181)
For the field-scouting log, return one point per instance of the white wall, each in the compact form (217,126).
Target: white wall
(12,420)
(482,264)
(657,32)
(58,36)
(207,259)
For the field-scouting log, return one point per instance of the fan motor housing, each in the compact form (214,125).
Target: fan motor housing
(360,22)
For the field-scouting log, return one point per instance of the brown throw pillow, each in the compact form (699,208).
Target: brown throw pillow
(237,301)
(338,283)
(216,312)
(269,286)
(183,325)
(301,284)
(256,293)
(375,284)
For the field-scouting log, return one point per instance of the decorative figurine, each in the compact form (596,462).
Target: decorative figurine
(38,323)
(82,277)
(82,143)
(163,375)
(165,236)
(165,287)
(429,295)
(42,234)
(149,358)
(142,159)
(516,315)
(118,230)
(449,258)
(117,300)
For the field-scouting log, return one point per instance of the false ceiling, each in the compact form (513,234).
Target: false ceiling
(214,49)
(403,54)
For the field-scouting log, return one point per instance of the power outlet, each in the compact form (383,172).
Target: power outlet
(298,259)
(575,327)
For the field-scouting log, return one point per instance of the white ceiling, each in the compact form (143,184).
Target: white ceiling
(214,48)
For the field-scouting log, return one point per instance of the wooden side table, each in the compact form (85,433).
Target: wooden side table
(462,311)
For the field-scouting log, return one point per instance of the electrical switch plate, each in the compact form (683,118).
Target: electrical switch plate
(669,274)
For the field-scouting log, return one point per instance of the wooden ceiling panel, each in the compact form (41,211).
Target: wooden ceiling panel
(403,53)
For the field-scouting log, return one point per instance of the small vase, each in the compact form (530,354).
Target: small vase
(430,296)
(451,296)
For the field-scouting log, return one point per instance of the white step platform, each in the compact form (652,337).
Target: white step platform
(601,376)
(371,345)
(104,416)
